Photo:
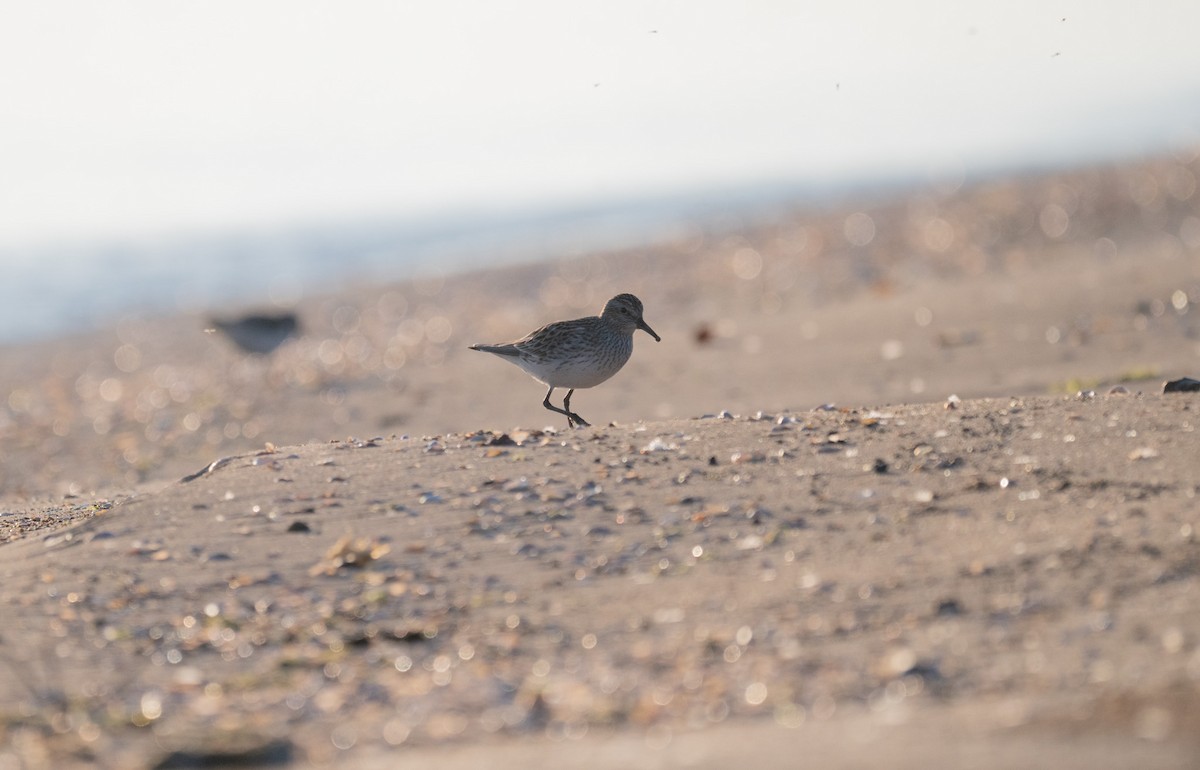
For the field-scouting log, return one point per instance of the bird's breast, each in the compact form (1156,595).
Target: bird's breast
(584,367)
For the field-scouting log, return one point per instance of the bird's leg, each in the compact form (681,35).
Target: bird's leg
(571,415)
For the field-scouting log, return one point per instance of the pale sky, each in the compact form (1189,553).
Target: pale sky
(131,118)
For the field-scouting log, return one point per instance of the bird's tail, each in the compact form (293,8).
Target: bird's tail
(500,350)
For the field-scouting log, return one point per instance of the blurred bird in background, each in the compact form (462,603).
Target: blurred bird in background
(259,333)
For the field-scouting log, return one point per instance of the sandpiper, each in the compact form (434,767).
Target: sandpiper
(580,353)
(259,334)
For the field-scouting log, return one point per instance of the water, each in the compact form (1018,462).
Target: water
(70,288)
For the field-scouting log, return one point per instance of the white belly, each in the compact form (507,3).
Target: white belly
(578,371)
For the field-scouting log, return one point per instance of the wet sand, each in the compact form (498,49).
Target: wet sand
(784,538)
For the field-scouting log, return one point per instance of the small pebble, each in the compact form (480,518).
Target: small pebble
(658,445)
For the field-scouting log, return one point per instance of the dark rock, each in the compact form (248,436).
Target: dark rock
(272,753)
(1182,385)
(949,608)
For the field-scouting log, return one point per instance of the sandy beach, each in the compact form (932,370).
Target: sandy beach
(899,487)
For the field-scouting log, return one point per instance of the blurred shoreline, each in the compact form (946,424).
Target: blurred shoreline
(94,282)
(73,287)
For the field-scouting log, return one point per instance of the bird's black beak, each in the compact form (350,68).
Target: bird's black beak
(646,328)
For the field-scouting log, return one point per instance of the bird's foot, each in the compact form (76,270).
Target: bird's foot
(575,421)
